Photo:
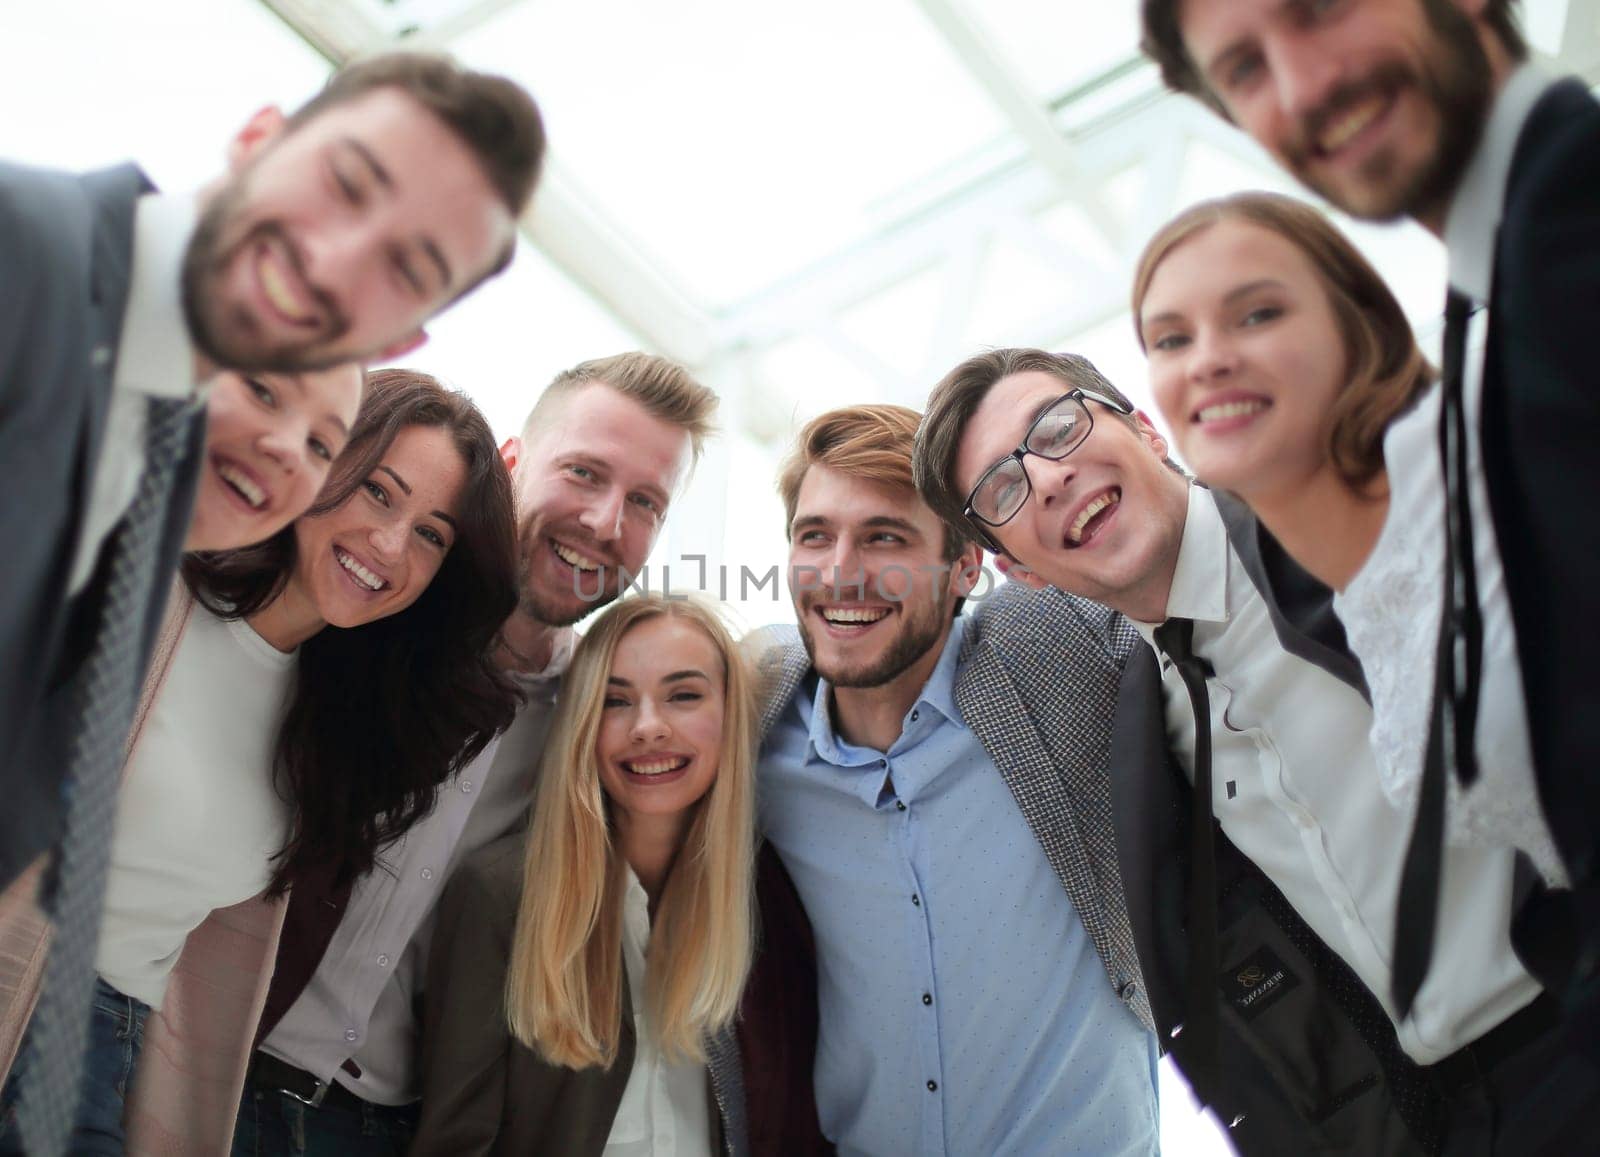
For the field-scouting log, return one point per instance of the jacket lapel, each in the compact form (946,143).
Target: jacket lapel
(1300,606)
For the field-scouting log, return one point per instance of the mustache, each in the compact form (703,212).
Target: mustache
(1388,77)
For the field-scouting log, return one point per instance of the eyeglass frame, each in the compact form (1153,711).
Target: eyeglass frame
(1020,454)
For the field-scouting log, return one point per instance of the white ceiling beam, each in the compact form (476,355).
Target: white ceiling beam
(1028,118)
(589,248)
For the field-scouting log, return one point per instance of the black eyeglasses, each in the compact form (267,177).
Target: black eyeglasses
(1058,430)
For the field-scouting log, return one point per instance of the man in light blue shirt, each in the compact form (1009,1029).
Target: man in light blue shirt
(950,838)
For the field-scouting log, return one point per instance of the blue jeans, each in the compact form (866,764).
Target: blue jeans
(116,1033)
(271,1122)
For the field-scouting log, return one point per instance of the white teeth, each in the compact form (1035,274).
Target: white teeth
(1231,410)
(573,559)
(362,574)
(243,483)
(657,766)
(1344,129)
(277,289)
(854,615)
(1075,531)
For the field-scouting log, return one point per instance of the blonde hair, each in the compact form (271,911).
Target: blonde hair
(665,389)
(1385,372)
(566,984)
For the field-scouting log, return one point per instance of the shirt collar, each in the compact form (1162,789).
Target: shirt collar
(1200,579)
(155,356)
(1474,217)
(938,694)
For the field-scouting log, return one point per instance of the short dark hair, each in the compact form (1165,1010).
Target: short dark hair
(957,397)
(491,115)
(1161,38)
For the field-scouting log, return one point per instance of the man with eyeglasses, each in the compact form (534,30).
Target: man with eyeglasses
(1261,944)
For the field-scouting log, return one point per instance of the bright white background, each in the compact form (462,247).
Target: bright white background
(810,205)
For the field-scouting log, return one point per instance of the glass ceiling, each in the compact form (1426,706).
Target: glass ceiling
(811,205)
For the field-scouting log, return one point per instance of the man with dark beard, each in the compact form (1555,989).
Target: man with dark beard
(936,786)
(333,236)
(605,449)
(1429,109)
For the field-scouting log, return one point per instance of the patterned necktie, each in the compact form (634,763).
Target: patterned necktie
(1175,637)
(1457,676)
(104,692)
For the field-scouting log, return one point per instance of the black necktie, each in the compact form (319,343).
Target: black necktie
(1458,672)
(1175,637)
(105,690)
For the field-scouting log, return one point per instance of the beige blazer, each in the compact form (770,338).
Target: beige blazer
(190,1074)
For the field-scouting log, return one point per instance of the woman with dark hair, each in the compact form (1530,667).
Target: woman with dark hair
(307,698)
(1289,374)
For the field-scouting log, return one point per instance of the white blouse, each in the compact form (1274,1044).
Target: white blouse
(665,1110)
(1391,615)
(198,819)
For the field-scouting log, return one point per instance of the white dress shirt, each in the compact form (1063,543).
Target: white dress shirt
(359,1005)
(1296,789)
(198,818)
(665,1109)
(154,360)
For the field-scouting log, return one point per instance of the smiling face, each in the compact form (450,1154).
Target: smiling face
(1104,522)
(872,589)
(1375,104)
(270,439)
(660,738)
(1246,357)
(375,554)
(592,484)
(336,240)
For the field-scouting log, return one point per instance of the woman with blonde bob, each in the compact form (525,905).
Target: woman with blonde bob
(1289,375)
(585,977)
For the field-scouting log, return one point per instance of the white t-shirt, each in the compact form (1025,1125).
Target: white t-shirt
(664,1110)
(198,819)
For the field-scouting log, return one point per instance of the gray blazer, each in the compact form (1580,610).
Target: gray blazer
(1038,686)
(66,248)
(485,1093)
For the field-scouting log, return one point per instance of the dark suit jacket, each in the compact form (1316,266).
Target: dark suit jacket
(485,1093)
(1307,1059)
(66,247)
(1540,433)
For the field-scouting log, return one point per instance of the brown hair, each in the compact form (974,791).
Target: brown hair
(1385,371)
(497,121)
(381,714)
(664,388)
(957,397)
(873,443)
(1161,38)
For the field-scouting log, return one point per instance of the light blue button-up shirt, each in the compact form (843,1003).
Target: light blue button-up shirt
(963,1008)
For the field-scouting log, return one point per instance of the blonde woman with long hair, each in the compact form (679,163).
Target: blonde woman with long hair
(585,977)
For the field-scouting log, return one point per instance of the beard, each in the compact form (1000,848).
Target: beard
(919,633)
(589,591)
(228,334)
(1454,80)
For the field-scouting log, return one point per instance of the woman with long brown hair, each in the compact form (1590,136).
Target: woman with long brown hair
(1289,375)
(307,698)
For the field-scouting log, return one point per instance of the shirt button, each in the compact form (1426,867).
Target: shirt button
(900,805)
(883,763)
(427,873)
(466,786)
(1303,821)
(915,715)
(916,899)
(100,356)
(927,998)
(933,1086)
(1127,990)
(383,961)
(351,1034)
